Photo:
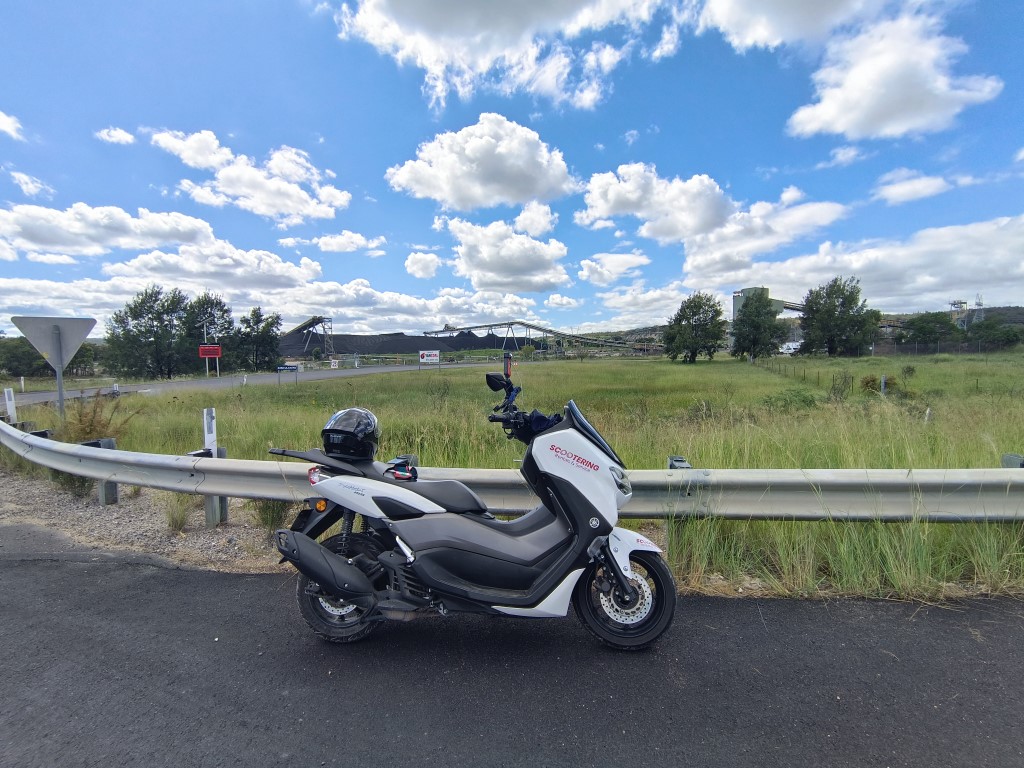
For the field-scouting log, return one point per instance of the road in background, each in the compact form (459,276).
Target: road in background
(237,380)
(122,660)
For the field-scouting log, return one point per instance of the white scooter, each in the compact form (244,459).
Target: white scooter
(410,547)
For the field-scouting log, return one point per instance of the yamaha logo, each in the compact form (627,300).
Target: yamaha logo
(594,522)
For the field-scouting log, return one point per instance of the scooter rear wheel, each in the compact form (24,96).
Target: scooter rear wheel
(618,623)
(335,620)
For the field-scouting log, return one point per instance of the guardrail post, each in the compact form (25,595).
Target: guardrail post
(216,506)
(106,490)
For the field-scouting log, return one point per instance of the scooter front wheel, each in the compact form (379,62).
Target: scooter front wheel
(628,626)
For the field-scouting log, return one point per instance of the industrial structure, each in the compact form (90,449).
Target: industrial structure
(740,296)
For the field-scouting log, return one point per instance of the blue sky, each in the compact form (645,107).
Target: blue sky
(399,165)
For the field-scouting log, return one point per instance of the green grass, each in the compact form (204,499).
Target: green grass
(949,412)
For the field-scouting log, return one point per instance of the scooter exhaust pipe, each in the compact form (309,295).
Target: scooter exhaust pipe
(332,572)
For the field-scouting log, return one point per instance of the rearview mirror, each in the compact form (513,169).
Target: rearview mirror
(496,381)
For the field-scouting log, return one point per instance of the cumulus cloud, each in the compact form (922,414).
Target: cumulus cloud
(537,48)
(115,136)
(718,234)
(194,267)
(344,242)
(286,188)
(497,258)
(606,268)
(30,186)
(51,258)
(917,274)
(840,157)
(536,219)
(904,185)
(636,306)
(892,79)
(558,301)
(422,265)
(671,210)
(82,230)
(10,125)
(494,162)
(771,23)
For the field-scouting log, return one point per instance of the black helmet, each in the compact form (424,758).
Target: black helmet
(351,434)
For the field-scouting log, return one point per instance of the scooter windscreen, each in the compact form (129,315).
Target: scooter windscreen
(579,420)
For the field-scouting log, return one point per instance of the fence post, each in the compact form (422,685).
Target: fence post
(106,490)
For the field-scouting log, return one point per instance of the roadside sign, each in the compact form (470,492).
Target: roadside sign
(287,368)
(209,350)
(430,356)
(57,339)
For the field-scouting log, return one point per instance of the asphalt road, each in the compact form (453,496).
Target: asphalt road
(113,660)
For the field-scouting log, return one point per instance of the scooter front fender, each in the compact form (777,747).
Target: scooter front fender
(622,541)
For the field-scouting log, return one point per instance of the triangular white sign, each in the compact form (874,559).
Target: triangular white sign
(61,345)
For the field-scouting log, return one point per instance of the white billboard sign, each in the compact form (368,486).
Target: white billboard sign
(430,356)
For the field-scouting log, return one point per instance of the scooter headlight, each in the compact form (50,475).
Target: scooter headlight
(621,481)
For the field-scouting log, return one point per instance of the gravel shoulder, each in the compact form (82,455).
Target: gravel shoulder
(139,523)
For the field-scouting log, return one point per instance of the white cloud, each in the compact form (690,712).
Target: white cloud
(1019,157)
(115,136)
(771,23)
(10,125)
(31,186)
(7,251)
(493,162)
(50,258)
(82,230)
(558,301)
(422,265)
(497,258)
(606,268)
(671,210)
(840,157)
(636,306)
(536,219)
(216,265)
(197,150)
(904,185)
(890,80)
(717,233)
(537,48)
(275,190)
(344,242)
(920,273)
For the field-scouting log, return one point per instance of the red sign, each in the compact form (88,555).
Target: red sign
(209,350)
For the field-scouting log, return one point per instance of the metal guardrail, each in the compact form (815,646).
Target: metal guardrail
(890,495)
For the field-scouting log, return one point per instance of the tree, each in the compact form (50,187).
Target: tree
(757,331)
(207,320)
(697,328)
(144,338)
(931,327)
(258,338)
(994,334)
(836,320)
(19,358)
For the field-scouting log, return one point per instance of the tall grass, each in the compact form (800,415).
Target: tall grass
(960,412)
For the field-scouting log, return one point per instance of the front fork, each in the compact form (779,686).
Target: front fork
(612,552)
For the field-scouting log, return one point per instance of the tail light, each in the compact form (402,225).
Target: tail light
(315,475)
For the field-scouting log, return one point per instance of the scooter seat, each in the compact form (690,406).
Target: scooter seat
(450,494)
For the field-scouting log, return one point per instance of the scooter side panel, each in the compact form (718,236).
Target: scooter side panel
(555,604)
